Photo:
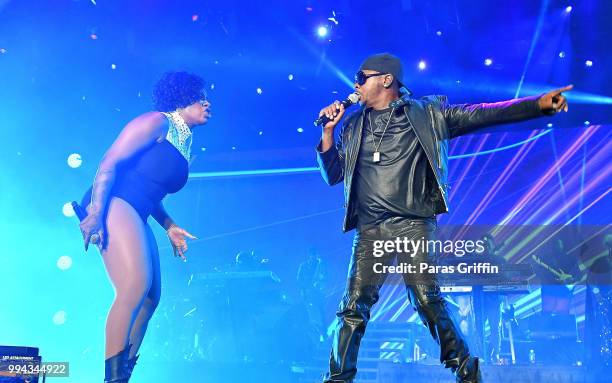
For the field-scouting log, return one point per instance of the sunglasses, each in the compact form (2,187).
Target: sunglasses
(361,78)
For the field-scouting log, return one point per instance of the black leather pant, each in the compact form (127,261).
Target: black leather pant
(361,294)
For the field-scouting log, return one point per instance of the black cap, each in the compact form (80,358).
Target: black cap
(385,63)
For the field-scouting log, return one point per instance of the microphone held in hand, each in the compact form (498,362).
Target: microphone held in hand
(352,99)
(82,214)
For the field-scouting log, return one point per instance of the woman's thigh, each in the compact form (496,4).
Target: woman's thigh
(127,256)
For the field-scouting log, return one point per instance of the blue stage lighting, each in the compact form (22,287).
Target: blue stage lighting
(488,62)
(422,65)
(64,262)
(568,9)
(322,31)
(59,318)
(238,173)
(562,54)
(588,63)
(74,160)
(68,210)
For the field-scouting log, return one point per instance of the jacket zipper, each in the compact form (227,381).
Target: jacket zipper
(429,159)
(431,117)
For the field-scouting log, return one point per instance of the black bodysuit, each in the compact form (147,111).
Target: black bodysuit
(144,180)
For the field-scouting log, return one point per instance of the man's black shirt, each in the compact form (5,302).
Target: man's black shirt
(400,183)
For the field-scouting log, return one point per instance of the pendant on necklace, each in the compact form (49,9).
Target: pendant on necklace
(376,157)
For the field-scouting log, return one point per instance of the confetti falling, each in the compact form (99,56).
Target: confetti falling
(260,133)
(2,51)
(93,36)
(195,18)
(290,77)
(300,130)
(113,66)
(333,19)
(259,91)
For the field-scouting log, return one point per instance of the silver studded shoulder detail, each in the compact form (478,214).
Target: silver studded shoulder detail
(179,134)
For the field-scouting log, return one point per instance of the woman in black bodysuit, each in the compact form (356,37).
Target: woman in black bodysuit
(148,160)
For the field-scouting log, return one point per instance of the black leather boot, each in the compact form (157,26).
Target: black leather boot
(469,371)
(131,363)
(116,367)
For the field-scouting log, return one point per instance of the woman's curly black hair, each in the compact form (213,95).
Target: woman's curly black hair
(177,90)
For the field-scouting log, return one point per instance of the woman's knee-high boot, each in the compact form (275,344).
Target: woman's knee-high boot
(116,367)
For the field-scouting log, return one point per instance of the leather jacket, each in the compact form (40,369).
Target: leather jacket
(435,123)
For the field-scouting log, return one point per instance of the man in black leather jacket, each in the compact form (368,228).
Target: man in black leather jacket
(392,155)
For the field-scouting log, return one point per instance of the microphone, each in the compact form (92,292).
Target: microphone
(82,214)
(352,98)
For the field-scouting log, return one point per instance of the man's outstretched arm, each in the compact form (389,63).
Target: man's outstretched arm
(466,118)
